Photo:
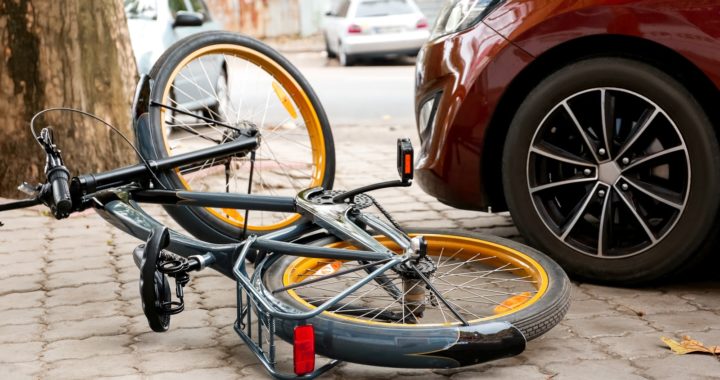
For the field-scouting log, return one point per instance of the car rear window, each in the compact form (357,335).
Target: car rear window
(377,8)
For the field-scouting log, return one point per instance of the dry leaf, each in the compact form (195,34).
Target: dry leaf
(689,345)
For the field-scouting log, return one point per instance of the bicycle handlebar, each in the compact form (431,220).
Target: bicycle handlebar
(58,178)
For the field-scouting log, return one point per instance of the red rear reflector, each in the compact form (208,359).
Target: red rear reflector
(408,164)
(304,349)
(422,23)
(354,28)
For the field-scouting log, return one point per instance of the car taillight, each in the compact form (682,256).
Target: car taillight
(304,349)
(354,28)
(422,23)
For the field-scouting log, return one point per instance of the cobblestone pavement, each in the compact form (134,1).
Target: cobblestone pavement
(69,305)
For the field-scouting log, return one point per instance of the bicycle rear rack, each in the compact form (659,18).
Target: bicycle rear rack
(262,341)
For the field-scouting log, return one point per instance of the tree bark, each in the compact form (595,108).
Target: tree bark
(71,53)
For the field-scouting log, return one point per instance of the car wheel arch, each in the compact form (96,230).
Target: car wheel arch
(566,53)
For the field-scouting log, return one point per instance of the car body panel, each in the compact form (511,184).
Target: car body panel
(474,68)
(462,109)
(691,28)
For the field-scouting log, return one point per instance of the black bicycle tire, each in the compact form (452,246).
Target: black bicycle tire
(532,322)
(197,221)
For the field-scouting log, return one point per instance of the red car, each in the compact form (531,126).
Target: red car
(593,122)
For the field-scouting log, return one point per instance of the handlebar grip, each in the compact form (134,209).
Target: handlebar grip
(62,203)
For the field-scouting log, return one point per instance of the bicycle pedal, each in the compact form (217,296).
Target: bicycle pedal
(155,290)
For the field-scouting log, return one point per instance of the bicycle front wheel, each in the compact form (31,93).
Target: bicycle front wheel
(484,279)
(209,86)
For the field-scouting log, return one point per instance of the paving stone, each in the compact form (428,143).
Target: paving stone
(21,300)
(82,294)
(75,279)
(86,348)
(709,300)
(19,257)
(85,328)
(220,299)
(78,264)
(11,270)
(21,333)
(93,368)
(21,316)
(208,373)
(577,293)
(182,361)
(223,316)
(589,308)
(562,350)
(421,216)
(560,331)
(130,292)
(71,248)
(697,320)
(20,352)
(680,367)
(607,326)
(358,371)
(610,293)
(653,304)
(175,340)
(509,373)
(205,284)
(82,311)
(21,284)
(635,345)
(129,275)
(20,371)
(438,223)
(594,370)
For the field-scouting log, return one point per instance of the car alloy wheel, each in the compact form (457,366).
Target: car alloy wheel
(608,172)
(610,166)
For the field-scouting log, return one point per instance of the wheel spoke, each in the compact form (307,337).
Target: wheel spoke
(634,211)
(561,155)
(644,124)
(607,107)
(572,181)
(582,132)
(657,193)
(654,156)
(578,212)
(606,216)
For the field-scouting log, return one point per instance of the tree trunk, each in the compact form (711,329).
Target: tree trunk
(71,53)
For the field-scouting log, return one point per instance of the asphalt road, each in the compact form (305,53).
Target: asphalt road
(378,92)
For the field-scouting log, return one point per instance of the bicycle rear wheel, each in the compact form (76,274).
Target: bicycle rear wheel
(485,278)
(220,78)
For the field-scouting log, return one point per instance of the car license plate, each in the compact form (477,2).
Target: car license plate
(389,29)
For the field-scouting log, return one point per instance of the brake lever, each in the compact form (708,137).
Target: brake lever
(30,190)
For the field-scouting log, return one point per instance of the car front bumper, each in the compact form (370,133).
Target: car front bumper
(464,75)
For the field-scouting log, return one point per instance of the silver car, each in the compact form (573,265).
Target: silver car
(356,29)
(154,25)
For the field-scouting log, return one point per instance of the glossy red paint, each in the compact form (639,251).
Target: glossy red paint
(473,69)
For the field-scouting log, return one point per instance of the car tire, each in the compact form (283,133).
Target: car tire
(330,54)
(344,58)
(671,143)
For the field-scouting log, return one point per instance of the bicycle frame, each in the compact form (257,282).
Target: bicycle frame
(115,195)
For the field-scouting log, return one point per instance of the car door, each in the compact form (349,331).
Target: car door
(334,23)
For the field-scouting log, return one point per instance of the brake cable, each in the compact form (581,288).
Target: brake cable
(112,128)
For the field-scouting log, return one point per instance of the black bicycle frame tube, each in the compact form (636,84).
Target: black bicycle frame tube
(91,183)
(222,200)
